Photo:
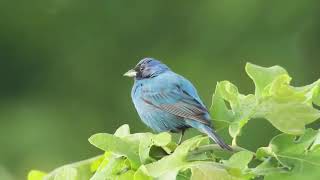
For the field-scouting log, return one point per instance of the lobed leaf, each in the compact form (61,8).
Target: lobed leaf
(297,155)
(170,165)
(263,76)
(109,142)
(210,171)
(239,160)
(150,140)
(242,107)
(76,171)
(288,117)
(287,108)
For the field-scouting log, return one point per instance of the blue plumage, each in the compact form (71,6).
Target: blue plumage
(166,101)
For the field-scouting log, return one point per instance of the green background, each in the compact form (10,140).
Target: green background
(61,65)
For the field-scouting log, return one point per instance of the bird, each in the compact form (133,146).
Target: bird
(168,102)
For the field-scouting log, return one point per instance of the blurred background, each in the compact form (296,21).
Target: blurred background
(61,65)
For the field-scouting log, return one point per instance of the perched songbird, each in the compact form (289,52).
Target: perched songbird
(166,101)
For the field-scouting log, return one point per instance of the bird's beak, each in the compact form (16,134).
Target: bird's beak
(131,73)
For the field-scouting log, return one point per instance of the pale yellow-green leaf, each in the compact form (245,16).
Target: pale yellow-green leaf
(263,76)
(36,175)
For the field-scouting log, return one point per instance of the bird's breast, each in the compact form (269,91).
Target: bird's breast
(137,94)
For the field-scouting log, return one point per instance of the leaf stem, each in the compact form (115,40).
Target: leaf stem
(216,147)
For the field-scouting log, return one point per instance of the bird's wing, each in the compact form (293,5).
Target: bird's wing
(177,101)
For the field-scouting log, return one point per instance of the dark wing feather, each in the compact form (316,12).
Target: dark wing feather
(177,102)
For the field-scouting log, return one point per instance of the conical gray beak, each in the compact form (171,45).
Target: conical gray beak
(130,73)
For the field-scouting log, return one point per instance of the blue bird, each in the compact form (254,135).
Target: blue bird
(166,101)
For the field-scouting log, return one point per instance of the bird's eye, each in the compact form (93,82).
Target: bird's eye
(141,68)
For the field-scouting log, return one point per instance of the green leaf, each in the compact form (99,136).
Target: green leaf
(170,165)
(239,160)
(311,92)
(316,95)
(184,175)
(67,172)
(104,168)
(299,172)
(243,113)
(210,171)
(95,164)
(242,107)
(297,155)
(142,174)
(109,142)
(150,140)
(288,108)
(280,89)
(77,171)
(122,131)
(126,176)
(115,168)
(219,110)
(238,164)
(316,143)
(267,167)
(289,117)
(263,76)
(36,175)
(288,149)
(263,152)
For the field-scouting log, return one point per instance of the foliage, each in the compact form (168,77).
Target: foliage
(294,154)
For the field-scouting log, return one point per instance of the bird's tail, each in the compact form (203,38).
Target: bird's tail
(214,136)
(210,132)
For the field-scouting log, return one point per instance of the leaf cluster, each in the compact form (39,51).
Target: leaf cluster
(294,154)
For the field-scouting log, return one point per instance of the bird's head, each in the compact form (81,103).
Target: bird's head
(147,68)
